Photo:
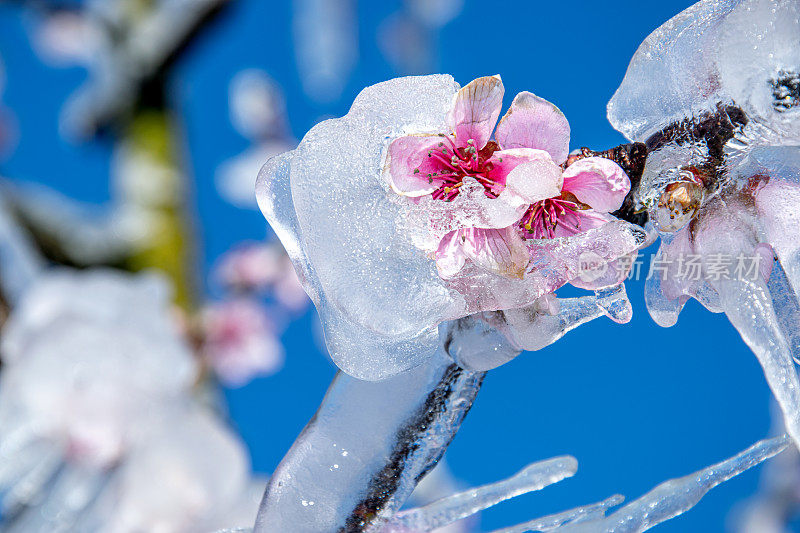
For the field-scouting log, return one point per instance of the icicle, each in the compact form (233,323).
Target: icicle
(448,510)
(477,342)
(615,304)
(787,308)
(573,516)
(748,305)
(677,496)
(533,328)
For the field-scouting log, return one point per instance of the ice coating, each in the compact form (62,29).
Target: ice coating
(379,296)
(764,307)
(364,451)
(447,510)
(721,51)
(130,313)
(362,454)
(533,327)
(192,492)
(72,343)
(165,483)
(666,501)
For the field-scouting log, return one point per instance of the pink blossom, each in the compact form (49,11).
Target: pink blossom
(239,342)
(493,195)
(593,187)
(263,268)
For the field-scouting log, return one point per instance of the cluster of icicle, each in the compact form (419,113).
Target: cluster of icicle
(665,501)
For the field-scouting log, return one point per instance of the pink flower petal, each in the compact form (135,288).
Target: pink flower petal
(407,155)
(529,175)
(501,251)
(451,257)
(533,122)
(476,109)
(597,182)
(776,203)
(581,222)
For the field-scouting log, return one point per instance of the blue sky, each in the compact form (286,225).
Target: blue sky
(636,404)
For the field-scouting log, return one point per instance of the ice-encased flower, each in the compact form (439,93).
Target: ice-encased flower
(98,427)
(358,245)
(240,343)
(500,192)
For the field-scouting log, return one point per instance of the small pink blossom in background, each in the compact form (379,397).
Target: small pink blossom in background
(239,342)
(66,38)
(263,268)
(495,194)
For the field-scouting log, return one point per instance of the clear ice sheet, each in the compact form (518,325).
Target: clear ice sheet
(379,296)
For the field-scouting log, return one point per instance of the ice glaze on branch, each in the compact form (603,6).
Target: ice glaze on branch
(368,445)
(713,129)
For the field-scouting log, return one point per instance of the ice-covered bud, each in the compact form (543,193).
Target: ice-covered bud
(239,342)
(677,205)
(711,92)
(388,253)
